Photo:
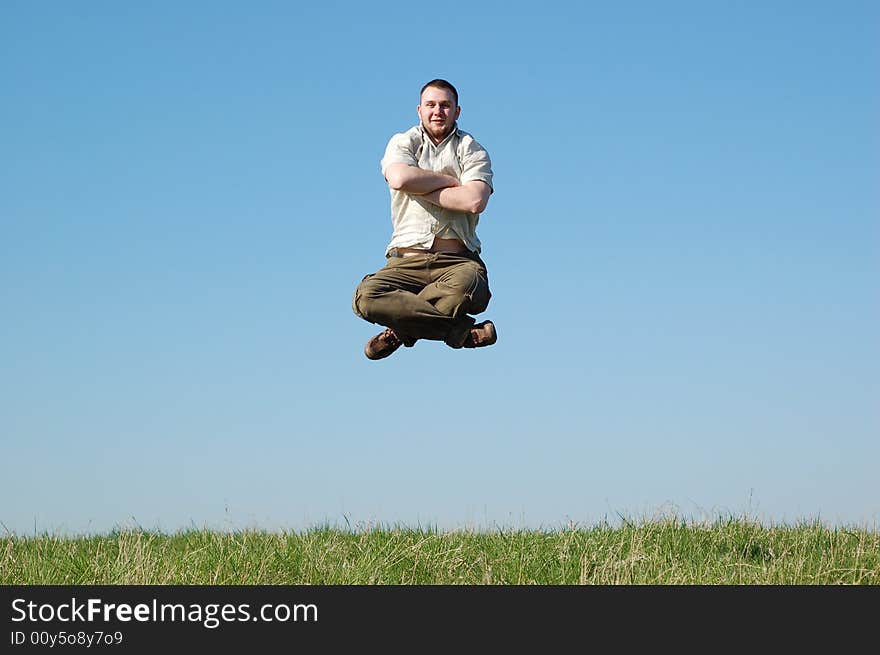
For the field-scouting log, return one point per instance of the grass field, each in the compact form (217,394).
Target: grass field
(671,551)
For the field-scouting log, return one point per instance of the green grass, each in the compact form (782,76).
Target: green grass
(671,551)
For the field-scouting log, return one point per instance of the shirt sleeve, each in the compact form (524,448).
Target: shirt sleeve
(400,150)
(475,163)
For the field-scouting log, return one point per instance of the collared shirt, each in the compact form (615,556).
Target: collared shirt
(416,221)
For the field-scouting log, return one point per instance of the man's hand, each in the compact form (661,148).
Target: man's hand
(417,181)
(471,197)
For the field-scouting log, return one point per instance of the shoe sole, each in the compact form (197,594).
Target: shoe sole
(382,356)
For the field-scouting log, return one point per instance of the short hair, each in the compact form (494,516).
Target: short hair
(440,84)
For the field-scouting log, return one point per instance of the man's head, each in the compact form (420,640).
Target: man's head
(438,109)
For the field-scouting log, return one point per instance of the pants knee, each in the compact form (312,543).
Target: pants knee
(360,302)
(479,301)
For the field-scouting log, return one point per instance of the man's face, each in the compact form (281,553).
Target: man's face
(438,112)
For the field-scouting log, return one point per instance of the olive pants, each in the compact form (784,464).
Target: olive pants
(425,296)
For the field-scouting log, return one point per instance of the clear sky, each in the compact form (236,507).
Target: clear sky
(682,248)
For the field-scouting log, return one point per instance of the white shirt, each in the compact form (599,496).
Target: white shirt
(416,221)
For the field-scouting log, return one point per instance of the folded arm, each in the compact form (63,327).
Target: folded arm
(471,197)
(417,181)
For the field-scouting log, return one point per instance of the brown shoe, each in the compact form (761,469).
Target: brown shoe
(482,334)
(382,345)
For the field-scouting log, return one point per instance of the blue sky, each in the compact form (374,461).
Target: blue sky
(682,249)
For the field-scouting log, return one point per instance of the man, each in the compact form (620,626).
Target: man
(440,180)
